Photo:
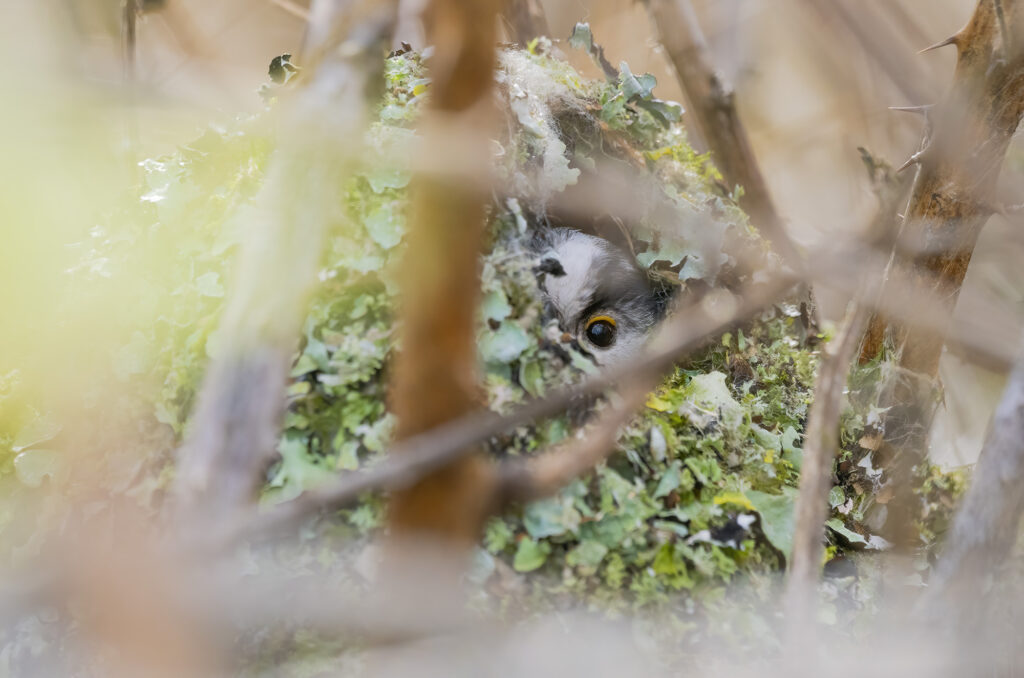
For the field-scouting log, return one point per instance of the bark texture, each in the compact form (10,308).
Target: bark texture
(953,196)
(959,163)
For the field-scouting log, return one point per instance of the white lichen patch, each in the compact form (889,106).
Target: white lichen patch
(533,91)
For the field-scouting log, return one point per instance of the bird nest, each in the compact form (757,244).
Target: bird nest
(703,484)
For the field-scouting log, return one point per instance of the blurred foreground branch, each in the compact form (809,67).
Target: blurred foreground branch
(987,524)
(292,8)
(235,423)
(880,41)
(435,373)
(821,441)
(821,444)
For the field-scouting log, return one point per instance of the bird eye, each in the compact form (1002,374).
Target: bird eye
(601,331)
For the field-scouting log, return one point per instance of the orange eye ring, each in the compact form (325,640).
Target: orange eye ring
(600,318)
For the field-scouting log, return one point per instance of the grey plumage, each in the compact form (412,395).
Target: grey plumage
(598,293)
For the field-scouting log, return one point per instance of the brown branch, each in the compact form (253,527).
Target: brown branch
(523,480)
(435,372)
(973,336)
(714,117)
(821,441)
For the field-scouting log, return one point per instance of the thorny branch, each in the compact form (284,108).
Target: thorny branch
(957,169)
(958,165)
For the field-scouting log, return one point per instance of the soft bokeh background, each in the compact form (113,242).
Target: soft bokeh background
(814,81)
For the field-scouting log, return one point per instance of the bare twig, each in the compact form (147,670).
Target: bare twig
(821,443)
(523,480)
(714,115)
(985,529)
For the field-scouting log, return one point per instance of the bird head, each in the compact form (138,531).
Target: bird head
(598,293)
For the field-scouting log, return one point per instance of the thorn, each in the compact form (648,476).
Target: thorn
(918,110)
(913,160)
(951,40)
(1005,210)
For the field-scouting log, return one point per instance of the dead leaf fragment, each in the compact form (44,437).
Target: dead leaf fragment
(871,441)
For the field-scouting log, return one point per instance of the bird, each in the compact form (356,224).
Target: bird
(599,294)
